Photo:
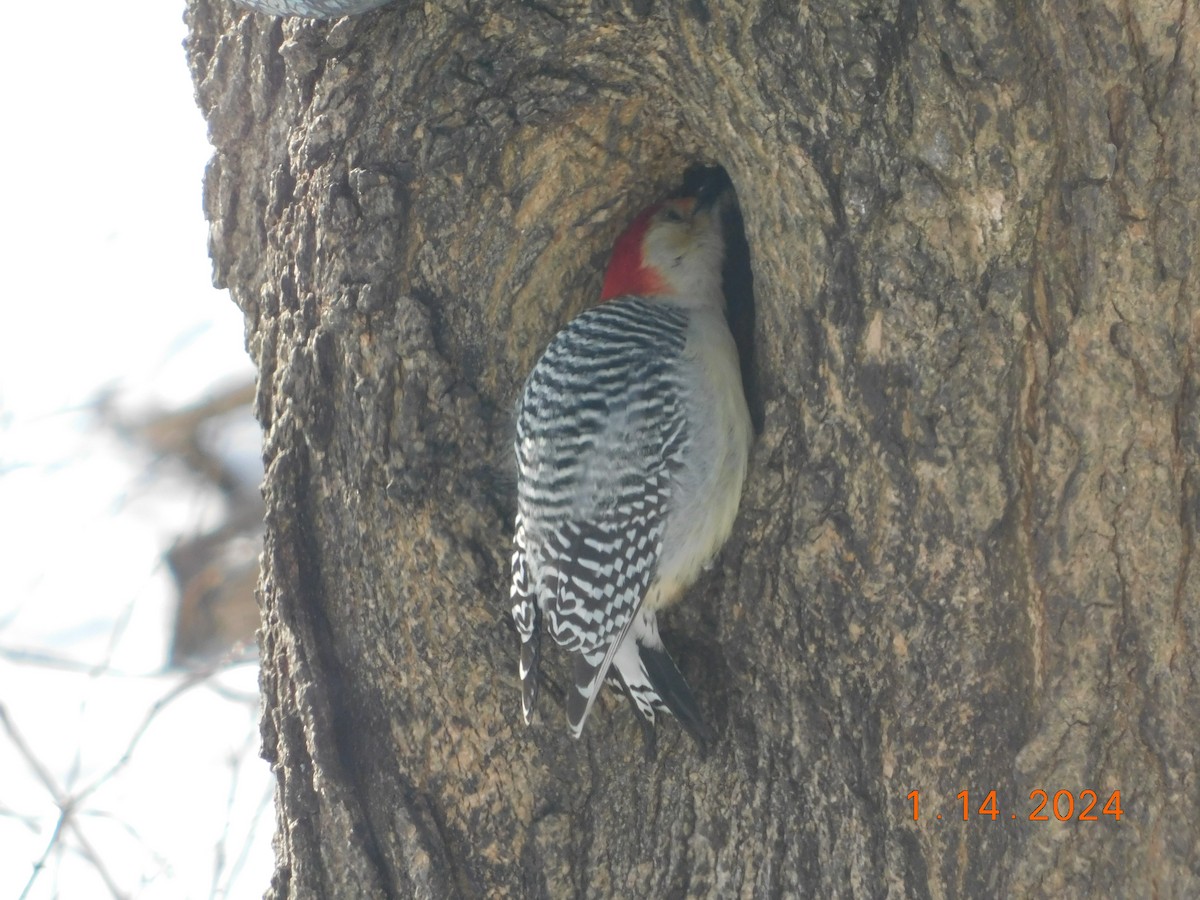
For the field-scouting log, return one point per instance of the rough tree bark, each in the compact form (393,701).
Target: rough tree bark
(966,557)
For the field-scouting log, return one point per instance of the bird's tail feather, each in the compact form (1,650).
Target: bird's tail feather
(531,654)
(674,692)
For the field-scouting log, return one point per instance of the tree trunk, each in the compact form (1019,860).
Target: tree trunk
(965,558)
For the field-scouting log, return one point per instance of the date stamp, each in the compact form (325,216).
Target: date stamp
(1063,805)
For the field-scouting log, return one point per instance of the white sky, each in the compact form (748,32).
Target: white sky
(108,287)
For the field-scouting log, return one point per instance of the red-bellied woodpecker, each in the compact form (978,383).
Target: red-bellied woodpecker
(632,444)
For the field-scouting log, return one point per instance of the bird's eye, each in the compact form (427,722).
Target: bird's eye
(672,214)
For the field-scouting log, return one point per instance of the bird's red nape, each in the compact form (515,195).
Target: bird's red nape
(627,273)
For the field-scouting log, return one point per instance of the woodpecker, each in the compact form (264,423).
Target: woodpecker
(632,442)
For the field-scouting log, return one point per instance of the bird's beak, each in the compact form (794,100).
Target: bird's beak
(707,198)
(711,189)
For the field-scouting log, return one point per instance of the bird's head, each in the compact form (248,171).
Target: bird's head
(672,250)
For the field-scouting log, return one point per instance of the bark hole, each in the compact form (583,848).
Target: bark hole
(737,281)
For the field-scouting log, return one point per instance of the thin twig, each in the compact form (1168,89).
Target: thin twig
(66,809)
(40,865)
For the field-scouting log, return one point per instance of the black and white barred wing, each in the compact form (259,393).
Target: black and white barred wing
(527,615)
(591,579)
(599,428)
